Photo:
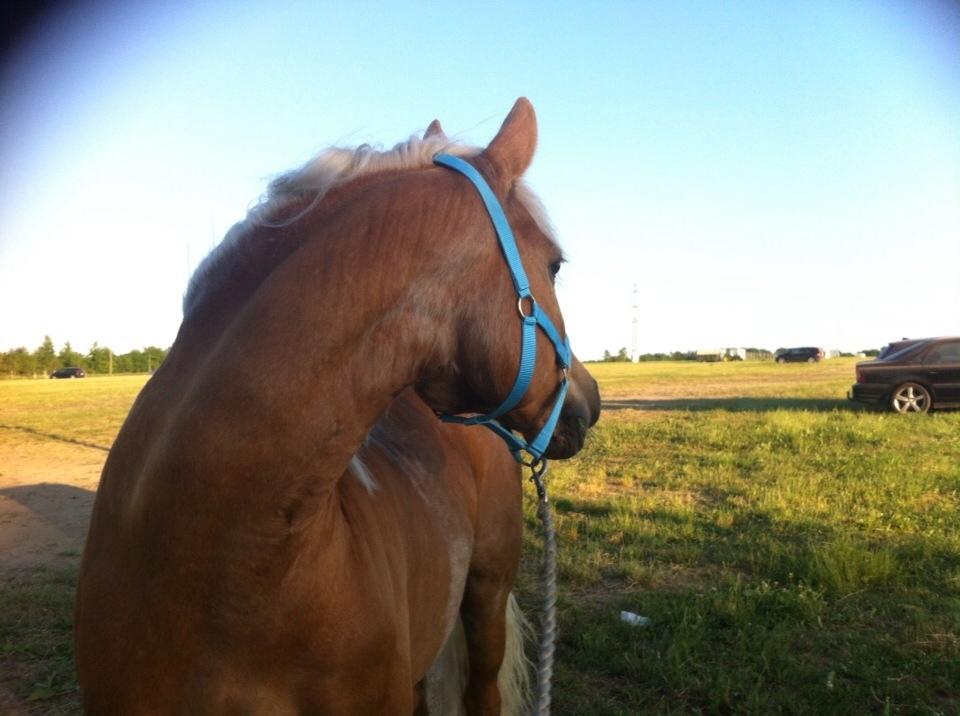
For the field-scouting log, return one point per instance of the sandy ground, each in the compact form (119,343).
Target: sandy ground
(46,494)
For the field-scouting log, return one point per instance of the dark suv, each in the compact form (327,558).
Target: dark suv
(912,376)
(68,373)
(799,355)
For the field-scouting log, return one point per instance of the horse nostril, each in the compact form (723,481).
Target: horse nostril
(582,428)
(577,429)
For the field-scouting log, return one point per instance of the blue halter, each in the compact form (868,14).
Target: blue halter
(532,318)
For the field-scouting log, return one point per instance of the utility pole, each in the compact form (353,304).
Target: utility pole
(109,361)
(634,355)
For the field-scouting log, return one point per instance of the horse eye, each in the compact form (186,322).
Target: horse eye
(555,268)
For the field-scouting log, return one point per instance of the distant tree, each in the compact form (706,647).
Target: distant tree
(138,361)
(69,357)
(98,359)
(871,352)
(122,364)
(620,357)
(46,356)
(155,356)
(23,362)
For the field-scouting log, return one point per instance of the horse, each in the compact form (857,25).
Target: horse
(284,525)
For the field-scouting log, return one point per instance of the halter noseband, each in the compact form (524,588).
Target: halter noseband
(531,319)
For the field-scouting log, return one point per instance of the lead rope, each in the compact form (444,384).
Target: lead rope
(548,614)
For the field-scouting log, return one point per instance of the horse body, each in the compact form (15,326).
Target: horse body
(336,602)
(234,561)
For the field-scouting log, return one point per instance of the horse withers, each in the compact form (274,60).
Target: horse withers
(283,525)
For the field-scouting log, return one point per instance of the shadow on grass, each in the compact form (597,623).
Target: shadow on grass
(65,507)
(54,436)
(583,507)
(734,404)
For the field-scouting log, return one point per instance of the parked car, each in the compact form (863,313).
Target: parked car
(914,377)
(799,355)
(68,373)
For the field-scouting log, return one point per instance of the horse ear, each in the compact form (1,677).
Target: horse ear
(434,130)
(511,151)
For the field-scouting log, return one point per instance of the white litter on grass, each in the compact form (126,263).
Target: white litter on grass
(634,619)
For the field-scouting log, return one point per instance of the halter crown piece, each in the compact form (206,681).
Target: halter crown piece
(531,316)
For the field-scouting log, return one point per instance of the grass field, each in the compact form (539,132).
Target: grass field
(794,553)
(87,411)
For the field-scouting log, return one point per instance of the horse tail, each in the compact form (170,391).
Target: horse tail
(447,678)
(514,677)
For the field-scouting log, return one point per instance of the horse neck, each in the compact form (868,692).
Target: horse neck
(250,252)
(359,312)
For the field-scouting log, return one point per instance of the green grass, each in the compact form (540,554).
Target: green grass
(795,553)
(36,640)
(87,410)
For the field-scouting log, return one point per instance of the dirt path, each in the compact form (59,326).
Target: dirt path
(46,494)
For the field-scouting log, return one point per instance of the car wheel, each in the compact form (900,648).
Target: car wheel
(781,361)
(811,360)
(910,398)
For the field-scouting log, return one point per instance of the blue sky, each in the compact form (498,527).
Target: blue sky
(766,174)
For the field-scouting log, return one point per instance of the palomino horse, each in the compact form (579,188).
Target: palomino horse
(283,525)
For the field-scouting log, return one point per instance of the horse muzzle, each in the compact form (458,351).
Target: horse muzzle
(580,412)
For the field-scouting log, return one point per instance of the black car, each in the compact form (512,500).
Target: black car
(914,377)
(799,355)
(68,373)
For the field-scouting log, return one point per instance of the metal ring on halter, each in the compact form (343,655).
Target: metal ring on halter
(535,462)
(533,305)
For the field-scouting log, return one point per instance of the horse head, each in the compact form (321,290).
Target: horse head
(493,348)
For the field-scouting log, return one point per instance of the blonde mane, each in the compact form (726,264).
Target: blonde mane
(242,250)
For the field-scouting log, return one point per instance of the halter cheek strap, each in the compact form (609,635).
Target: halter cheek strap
(531,317)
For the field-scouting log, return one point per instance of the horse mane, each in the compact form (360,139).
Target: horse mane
(244,246)
(245,249)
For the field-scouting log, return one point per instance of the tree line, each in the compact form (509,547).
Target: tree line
(622,356)
(99,359)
